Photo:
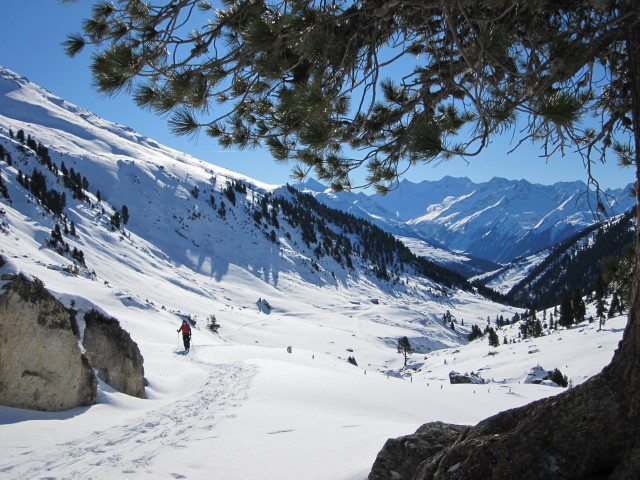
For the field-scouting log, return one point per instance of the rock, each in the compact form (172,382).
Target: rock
(536,375)
(113,353)
(559,437)
(401,457)
(41,364)
(588,432)
(539,376)
(455,377)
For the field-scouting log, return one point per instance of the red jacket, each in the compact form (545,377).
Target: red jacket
(185,329)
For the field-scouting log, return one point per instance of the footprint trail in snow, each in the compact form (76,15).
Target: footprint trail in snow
(135,449)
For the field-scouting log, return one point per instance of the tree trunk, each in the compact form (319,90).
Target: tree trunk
(625,367)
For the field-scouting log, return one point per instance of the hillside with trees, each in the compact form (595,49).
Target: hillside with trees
(576,264)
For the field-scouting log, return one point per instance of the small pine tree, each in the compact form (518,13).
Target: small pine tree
(615,305)
(115,221)
(212,324)
(537,329)
(475,333)
(578,306)
(230,194)
(494,341)
(405,348)
(557,377)
(601,304)
(3,189)
(125,214)
(566,311)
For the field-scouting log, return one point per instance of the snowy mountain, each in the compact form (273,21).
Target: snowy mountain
(112,221)
(369,208)
(498,220)
(574,264)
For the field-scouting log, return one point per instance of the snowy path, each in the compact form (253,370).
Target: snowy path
(143,446)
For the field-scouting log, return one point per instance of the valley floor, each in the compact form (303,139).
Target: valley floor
(237,412)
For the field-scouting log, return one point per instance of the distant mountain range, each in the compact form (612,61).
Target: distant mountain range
(498,221)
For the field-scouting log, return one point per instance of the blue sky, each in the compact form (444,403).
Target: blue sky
(31,32)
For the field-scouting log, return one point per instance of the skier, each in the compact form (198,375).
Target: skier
(186,335)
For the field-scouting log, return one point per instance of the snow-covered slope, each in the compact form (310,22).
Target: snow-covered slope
(239,405)
(369,208)
(504,279)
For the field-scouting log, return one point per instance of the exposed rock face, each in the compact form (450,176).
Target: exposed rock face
(588,432)
(563,437)
(41,365)
(401,457)
(114,354)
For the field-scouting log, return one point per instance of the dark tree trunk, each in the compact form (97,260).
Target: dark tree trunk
(625,366)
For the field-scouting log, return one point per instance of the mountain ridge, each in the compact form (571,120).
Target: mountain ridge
(498,220)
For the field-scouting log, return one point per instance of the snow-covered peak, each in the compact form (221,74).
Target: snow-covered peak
(72,130)
(498,220)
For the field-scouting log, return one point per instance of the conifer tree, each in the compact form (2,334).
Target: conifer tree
(3,188)
(115,221)
(124,214)
(578,307)
(601,306)
(614,308)
(618,273)
(494,340)
(566,311)
(405,348)
(305,79)
(475,333)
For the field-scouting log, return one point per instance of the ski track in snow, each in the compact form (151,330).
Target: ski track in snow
(126,449)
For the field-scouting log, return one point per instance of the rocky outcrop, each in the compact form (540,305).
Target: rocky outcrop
(588,432)
(401,457)
(113,353)
(41,364)
(456,378)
